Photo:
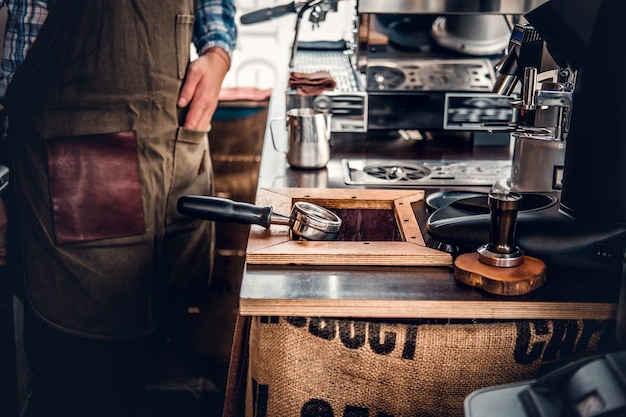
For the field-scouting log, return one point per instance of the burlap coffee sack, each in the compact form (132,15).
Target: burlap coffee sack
(328,367)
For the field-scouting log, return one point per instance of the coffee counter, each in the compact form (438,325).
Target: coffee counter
(398,291)
(278,303)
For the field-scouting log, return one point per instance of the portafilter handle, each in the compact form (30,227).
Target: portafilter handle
(228,211)
(501,250)
(269,13)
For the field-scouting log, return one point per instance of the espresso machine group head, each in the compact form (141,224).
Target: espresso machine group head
(582,227)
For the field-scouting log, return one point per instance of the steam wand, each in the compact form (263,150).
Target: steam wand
(294,46)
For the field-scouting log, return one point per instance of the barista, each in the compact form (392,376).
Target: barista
(100,154)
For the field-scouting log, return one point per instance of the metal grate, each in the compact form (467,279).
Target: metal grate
(401,173)
(396,172)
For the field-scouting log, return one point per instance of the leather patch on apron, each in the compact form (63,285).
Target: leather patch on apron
(95,187)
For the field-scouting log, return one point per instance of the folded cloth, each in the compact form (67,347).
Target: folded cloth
(311,84)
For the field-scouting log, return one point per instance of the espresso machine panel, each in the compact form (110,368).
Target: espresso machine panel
(427,71)
(435,94)
(429,65)
(347,102)
(448,6)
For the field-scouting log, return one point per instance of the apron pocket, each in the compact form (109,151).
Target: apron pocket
(184,28)
(193,172)
(94,186)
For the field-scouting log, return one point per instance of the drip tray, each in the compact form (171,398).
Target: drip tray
(399,173)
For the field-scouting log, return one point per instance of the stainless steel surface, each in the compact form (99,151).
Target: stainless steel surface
(472,34)
(467,74)
(505,84)
(433,94)
(313,222)
(4,177)
(347,102)
(448,6)
(403,292)
(529,89)
(538,162)
(407,173)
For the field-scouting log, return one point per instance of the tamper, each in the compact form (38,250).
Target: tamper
(499,266)
(501,250)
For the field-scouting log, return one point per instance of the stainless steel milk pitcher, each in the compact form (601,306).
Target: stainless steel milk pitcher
(308,138)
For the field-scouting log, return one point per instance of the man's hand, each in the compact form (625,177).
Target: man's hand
(3,233)
(202,86)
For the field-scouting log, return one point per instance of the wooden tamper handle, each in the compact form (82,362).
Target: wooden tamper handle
(499,266)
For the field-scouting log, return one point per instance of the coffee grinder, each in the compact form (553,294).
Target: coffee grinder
(579,229)
(542,110)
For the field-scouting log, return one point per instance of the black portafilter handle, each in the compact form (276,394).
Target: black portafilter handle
(269,13)
(224,210)
(501,250)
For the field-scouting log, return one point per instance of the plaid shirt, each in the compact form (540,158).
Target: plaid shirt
(214,26)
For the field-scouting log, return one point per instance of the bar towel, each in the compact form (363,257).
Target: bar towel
(311,84)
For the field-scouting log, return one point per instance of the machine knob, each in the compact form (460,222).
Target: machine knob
(501,250)
(323,103)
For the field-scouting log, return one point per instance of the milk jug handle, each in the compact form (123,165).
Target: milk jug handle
(279,119)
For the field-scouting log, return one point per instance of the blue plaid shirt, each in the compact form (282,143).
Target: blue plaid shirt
(214,26)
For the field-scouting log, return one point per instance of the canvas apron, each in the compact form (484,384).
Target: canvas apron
(100,160)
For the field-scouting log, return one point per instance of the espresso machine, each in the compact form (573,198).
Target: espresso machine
(347,101)
(579,224)
(429,66)
(410,65)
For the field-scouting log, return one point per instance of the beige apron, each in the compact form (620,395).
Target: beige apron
(100,160)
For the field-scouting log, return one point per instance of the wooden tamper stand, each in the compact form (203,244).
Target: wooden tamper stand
(500,267)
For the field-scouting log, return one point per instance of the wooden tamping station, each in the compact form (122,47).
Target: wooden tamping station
(499,266)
